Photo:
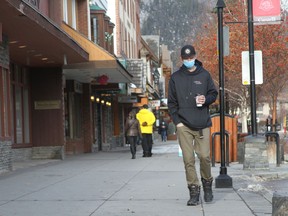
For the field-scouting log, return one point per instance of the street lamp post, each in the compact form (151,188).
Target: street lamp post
(223,180)
(252,68)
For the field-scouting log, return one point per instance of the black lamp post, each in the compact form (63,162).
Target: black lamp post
(252,69)
(223,180)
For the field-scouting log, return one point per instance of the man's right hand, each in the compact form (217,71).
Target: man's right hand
(144,124)
(180,125)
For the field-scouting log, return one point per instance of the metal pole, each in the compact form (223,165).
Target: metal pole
(252,69)
(223,169)
(223,180)
(99,126)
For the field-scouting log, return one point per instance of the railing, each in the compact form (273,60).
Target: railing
(276,135)
(227,134)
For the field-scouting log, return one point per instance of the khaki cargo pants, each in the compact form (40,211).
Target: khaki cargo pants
(191,142)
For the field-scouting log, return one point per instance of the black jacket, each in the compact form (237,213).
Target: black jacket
(183,87)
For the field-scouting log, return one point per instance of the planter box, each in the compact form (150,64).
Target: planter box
(172,137)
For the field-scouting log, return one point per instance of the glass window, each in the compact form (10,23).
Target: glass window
(6,112)
(65,13)
(78,116)
(1,102)
(12,116)
(4,103)
(69,12)
(26,115)
(73,115)
(20,102)
(94,30)
(73,14)
(18,115)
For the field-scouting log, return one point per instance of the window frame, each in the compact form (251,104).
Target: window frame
(20,79)
(5,106)
(70,13)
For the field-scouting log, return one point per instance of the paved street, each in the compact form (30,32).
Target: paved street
(111,184)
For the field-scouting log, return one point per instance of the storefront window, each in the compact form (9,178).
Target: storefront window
(18,115)
(26,115)
(12,116)
(1,103)
(73,115)
(20,103)
(4,103)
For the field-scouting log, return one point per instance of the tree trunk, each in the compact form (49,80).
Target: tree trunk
(244,117)
(274,113)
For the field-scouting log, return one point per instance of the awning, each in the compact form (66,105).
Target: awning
(88,71)
(153,92)
(35,40)
(101,62)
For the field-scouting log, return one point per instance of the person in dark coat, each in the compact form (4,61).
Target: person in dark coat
(132,131)
(163,131)
(190,92)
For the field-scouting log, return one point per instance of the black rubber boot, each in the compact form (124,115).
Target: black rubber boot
(194,191)
(207,188)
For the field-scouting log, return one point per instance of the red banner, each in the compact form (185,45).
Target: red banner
(266,11)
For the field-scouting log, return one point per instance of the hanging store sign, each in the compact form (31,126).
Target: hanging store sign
(266,12)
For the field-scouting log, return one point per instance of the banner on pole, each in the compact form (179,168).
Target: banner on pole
(266,12)
(258,67)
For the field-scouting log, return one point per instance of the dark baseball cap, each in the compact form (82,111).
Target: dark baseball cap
(188,51)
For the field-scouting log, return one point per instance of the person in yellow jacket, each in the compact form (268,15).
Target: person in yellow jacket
(146,119)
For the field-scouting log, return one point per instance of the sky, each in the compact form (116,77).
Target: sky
(284,4)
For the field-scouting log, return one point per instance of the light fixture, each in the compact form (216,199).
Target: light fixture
(108,103)
(92,98)
(97,100)
(22,46)
(102,102)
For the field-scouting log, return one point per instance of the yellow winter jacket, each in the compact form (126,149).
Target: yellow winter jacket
(145,115)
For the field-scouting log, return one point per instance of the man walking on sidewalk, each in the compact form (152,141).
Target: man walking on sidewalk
(191,91)
(146,119)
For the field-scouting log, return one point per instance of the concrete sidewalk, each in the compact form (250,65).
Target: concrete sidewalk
(111,184)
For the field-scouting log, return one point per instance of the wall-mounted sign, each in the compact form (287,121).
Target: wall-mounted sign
(127,99)
(154,103)
(47,105)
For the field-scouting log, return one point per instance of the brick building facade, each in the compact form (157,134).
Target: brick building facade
(46,109)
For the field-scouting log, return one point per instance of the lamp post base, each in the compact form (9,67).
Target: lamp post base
(223,181)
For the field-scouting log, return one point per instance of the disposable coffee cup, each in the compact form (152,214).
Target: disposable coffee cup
(198,104)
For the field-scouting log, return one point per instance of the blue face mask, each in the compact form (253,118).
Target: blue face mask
(189,63)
